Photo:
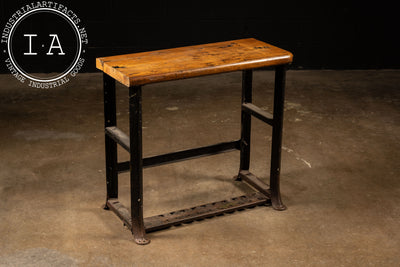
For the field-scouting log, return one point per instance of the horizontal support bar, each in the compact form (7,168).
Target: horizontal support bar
(163,221)
(123,167)
(118,136)
(191,153)
(184,155)
(252,180)
(122,212)
(258,113)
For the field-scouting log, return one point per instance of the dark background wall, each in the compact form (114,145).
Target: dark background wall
(321,34)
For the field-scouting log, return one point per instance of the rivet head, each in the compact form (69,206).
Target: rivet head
(138,200)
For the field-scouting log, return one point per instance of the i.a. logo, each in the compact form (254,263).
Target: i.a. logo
(55,38)
(44,42)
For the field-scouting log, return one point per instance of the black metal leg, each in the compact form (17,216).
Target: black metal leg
(136,164)
(247,81)
(279,97)
(110,119)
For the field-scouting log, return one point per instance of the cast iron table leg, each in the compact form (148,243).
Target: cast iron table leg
(247,81)
(136,164)
(279,97)
(110,119)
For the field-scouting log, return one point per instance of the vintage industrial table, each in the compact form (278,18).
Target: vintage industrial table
(139,69)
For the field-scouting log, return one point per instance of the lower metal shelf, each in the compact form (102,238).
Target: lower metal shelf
(174,218)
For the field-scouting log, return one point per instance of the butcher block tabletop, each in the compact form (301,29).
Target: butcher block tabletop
(192,61)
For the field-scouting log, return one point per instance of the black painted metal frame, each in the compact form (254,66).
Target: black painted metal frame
(133,218)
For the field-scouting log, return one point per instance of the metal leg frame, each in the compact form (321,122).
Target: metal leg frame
(133,218)
(136,164)
(247,85)
(279,98)
(110,119)
(276,121)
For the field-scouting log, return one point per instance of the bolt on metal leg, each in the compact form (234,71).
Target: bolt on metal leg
(136,164)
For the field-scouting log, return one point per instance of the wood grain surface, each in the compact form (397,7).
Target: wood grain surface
(192,61)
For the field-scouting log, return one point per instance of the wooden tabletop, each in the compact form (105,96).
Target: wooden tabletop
(192,61)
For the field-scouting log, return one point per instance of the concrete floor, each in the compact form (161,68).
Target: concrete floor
(340,173)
